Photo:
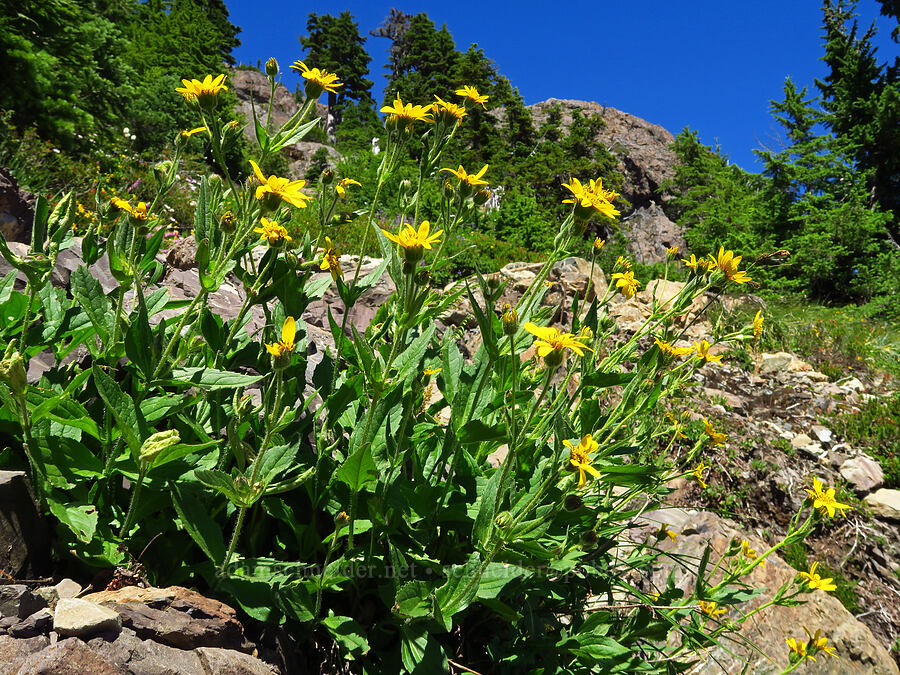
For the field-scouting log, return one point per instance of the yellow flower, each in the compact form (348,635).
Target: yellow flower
(343,184)
(284,188)
(728,263)
(819,643)
(671,350)
(414,242)
(317,80)
(579,456)
(695,265)
(408,114)
(288,333)
(623,262)
(757,325)
(676,425)
(139,212)
(272,231)
(709,608)
(697,471)
(703,354)
(797,647)
(552,340)
(814,581)
(591,198)
(331,260)
(470,179)
(824,501)
(672,251)
(664,531)
(471,93)
(626,283)
(120,204)
(716,437)
(204,92)
(599,244)
(431,371)
(448,112)
(187,134)
(749,553)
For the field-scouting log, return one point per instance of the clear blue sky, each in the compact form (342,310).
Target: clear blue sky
(712,65)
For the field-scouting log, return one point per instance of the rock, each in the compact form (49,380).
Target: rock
(14,651)
(230,662)
(16,600)
(863,473)
(129,654)
(38,623)
(182,255)
(858,649)
(16,209)
(75,617)
(24,539)
(801,441)
(822,433)
(175,616)
(884,503)
(364,310)
(650,233)
(852,384)
(68,657)
(67,589)
(775,362)
(734,402)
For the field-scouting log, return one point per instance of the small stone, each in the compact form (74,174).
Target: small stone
(67,589)
(80,618)
(822,433)
(801,441)
(38,623)
(863,473)
(884,503)
(778,362)
(853,384)
(16,600)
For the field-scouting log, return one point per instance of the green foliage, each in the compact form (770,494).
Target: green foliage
(874,428)
(423,63)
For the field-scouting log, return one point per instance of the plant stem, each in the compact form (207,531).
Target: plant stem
(242,513)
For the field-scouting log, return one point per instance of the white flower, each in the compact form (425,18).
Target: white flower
(126,131)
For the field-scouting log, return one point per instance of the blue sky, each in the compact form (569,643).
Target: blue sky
(712,65)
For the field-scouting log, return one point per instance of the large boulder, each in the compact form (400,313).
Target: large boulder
(16,209)
(650,233)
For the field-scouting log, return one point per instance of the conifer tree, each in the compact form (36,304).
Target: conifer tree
(422,63)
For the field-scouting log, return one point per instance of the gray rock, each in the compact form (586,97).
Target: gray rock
(863,473)
(79,618)
(650,233)
(16,209)
(14,651)
(231,662)
(884,503)
(16,600)
(130,654)
(777,362)
(67,657)
(822,433)
(67,589)
(38,623)
(24,540)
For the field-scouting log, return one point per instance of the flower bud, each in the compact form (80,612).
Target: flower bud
(573,502)
(503,520)
(158,442)
(341,519)
(554,359)
(481,196)
(589,539)
(228,222)
(449,189)
(510,320)
(423,277)
(12,372)
(272,67)
(327,177)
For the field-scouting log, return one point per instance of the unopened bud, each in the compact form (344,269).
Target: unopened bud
(157,443)
(589,539)
(503,520)
(271,67)
(481,196)
(573,502)
(341,519)
(228,221)
(12,372)
(449,189)
(327,177)
(510,320)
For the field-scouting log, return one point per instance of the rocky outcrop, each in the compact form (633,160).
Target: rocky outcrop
(16,209)
(24,537)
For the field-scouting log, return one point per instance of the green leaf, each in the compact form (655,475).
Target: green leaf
(139,339)
(174,452)
(420,652)
(7,284)
(291,136)
(452,362)
(348,634)
(122,407)
(487,510)
(89,294)
(409,362)
(603,380)
(82,520)
(220,482)
(275,461)
(195,519)
(210,379)
(485,323)
(460,589)
(476,431)
(358,470)
(202,214)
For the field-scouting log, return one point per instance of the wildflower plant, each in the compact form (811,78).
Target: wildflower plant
(389,500)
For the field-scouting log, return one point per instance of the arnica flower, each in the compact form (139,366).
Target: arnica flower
(716,438)
(672,251)
(343,184)
(709,608)
(272,231)
(580,456)
(703,354)
(120,204)
(623,262)
(676,425)
(448,113)
(814,581)
(824,501)
(471,94)
(590,199)
(414,242)
(697,472)
(317,80)
(286,344)
(284,189)
(671,350)
(467,181)
(400,114)
(552,343)
(757,325)
(626,283)
(331,260)
(185,133)
(749,553)
(664,532)
(431,371)
(797,647)
(205,93)
(598,244)
(728,263)
(819,643)
(696,265)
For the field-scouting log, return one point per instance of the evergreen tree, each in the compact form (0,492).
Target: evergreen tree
(422,63)
(334,44)
(394,26)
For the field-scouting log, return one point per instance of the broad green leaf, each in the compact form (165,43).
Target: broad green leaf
(476,431)
(460,589)
(409,362)
(487,510)
(195,519)
(82,520)
(220,482)
(420,652)
(7,284)
(139,339)
(349,635)
(122,407)
(174,452)
(358,470)
(210,379)
(89,294)
(275,461)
